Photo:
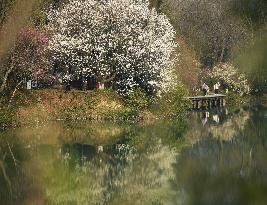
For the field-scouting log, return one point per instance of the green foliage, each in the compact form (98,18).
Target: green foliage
(96,106)
(254,11)
(137,100)
(234,100)
(108,93)
(172,104)
(7,118)
(73,112)
(208,26)
(252,61)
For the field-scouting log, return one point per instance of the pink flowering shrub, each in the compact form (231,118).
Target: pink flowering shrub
(31,57)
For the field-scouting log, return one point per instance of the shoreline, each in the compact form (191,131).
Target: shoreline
(48,105)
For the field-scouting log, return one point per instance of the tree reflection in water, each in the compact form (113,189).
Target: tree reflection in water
(218,170)
(120,174)
(224,162)
(16,179)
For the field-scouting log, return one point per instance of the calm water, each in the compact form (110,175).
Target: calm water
(209,158)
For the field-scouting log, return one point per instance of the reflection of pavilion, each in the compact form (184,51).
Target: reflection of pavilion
(216,118)
(217,123)
(204,118)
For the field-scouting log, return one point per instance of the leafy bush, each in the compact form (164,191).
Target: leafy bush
(106,93)
(73,112)
(137,100)
(172,104)
(234,100)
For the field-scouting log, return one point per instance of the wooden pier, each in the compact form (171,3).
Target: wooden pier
(207,102)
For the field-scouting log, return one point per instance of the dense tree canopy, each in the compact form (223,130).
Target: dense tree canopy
(209,27)
(120,42)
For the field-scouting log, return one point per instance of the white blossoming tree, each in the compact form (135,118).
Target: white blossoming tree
(230,78)
(120,42)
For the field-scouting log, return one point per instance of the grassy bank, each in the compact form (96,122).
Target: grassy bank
(37,106)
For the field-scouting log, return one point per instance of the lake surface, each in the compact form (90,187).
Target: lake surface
(209,158)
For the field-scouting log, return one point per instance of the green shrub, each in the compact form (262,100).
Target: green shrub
(235,100)
(172,104)
(107,93)
(73,112)
(137,100)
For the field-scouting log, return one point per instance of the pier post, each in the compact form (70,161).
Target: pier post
(223,102)
(218,102)
(212,103)
(197,104)
(209,104)
(202,104)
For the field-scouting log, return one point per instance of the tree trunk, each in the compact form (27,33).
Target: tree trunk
(222,51)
